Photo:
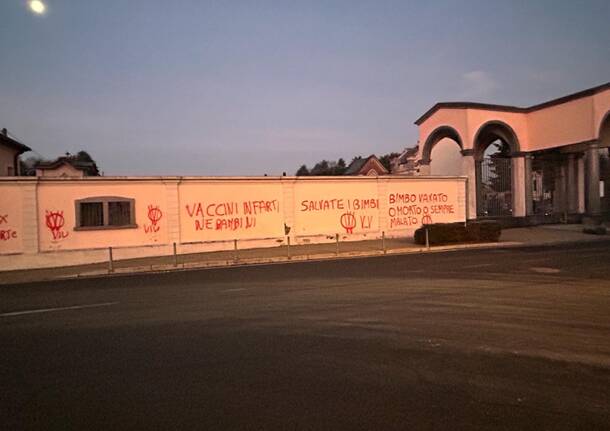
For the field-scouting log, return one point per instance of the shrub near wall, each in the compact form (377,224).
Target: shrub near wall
(451,233)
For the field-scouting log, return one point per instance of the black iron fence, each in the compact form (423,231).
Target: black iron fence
(494,188)
(545,187)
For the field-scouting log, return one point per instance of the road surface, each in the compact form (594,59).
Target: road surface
(513,339)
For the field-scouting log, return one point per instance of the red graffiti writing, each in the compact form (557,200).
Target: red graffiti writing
(348,222)
(339,204)
(55,222)
(414,209)
(225,223)
(404,221)
(154,215)
(259,207)
(408,210)
(405,198)
(230,216)
(7,234)
(366,222)
(323,205)
(225,209)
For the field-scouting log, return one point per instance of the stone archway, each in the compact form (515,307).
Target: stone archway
(437,135)
(467,166)
(495,148)
(446,158)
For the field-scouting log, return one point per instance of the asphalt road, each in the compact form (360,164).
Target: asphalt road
(495,339)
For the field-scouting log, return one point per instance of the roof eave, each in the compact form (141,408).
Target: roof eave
(507,108)
(10,142)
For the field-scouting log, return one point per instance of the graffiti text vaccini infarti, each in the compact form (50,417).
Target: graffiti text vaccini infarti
(229,215)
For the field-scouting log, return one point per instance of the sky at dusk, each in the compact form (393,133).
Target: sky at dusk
(153,87)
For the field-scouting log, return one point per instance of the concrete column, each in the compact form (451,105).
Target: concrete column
(580,179)
(529,199)
(572,180)
(593,200)
(288,185)
(469,171)
(560,198)
(519,186)
(30,227)
(382,194)
(172,196)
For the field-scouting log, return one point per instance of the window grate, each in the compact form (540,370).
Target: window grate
(91,214)
(105,213)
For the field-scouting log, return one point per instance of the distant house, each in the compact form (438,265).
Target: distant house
(66,166)
(370,166)
(10,150)
(407,162)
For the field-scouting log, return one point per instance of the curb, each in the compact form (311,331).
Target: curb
(224,263)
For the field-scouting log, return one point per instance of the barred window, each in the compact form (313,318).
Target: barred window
(119,213)
(107,212)
(91,214)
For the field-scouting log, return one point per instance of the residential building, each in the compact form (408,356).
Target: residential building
(10,150)
(370,166)
(67,166)
(406,162)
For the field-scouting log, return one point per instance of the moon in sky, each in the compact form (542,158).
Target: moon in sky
(37,6)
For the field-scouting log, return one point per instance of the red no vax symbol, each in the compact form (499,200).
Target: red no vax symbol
(55,222)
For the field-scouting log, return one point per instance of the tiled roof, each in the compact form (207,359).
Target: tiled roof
(356,165)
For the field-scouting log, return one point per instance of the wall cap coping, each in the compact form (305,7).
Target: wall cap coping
(508,108)
(60,180)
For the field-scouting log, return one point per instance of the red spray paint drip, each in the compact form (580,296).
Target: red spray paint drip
(348,222)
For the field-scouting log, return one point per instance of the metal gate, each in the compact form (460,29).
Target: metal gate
(544,185)
(494,187)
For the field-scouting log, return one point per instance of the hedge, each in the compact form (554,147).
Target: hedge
(447,233)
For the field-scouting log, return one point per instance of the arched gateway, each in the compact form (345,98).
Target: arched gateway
(540,163)
(495,145)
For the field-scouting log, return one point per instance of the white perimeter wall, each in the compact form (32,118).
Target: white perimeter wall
(208,214)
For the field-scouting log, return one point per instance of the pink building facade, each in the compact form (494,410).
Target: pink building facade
(547,162)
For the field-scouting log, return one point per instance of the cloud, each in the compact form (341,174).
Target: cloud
(477,84)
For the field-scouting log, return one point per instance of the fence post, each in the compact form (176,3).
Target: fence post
(110,262)
(383,242)
(235,256)
(337,241)
(427,240)
(288,243)
(175,256)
